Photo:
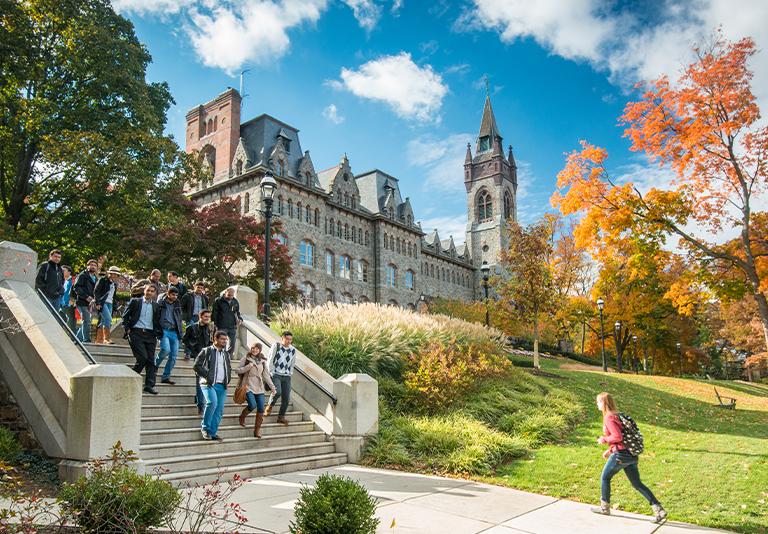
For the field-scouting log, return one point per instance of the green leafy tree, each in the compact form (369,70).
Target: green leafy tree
(83,156)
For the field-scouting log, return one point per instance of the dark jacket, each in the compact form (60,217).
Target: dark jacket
(205,365)
(226,314)
(197,337)
(162,304)
(132,314)
(188,302)
(84,288)
(50,280)
(181,287)
(101,290)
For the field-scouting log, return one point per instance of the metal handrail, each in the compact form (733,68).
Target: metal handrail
(299,369)
(66,327)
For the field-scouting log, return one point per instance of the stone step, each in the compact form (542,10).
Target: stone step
(191,421)
(229,430)
(188,410)
(214,458)
(115,350)
(187,398)
(198,446)
(252,470)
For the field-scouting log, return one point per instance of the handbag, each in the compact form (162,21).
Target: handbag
(241,389)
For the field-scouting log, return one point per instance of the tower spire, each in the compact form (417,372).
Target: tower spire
(468,158)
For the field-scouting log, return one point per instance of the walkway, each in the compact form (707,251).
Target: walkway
(420,504)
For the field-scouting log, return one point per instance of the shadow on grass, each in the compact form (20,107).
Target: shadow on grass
(661,408)
(757,390)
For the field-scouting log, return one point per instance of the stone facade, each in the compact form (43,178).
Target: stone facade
(352,237)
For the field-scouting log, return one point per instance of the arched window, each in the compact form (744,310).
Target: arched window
(330,296)
(392,302)
(331,226)
(346,298)
(247,203)
(308,215)
(308,178)
(397,245)
(215,123)
(210,126)
(432,270)
(484,206)
(299,213)
(280,205)
(354,201)
(507,205)
(317,217)
(306,253)
(391,275)
(367,238)
(290,208)
(346,231)
(346,199)
(329,261)
(361,270)
(411,306)
(308,292)
(239,167)
(345,267)
(409,279)
(392,242)
(338,229)
(386,242)
(279,167)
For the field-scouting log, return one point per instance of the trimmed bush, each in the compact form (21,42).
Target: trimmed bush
(9,446)
(335,505)
(116,499)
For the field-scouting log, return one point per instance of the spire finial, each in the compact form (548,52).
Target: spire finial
(487,85)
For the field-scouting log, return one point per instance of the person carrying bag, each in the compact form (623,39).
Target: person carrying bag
(254,375)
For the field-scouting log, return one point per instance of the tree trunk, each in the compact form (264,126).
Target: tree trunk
(583,336)
(536,342)
(762,306)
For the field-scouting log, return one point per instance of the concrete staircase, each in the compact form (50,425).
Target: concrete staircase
(171,443)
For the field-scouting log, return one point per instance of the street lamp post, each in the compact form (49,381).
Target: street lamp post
(600,306)
(680,356)
(485,270)
(268,186)
(619,350)
(634,353)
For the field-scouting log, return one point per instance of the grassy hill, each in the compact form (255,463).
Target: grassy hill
(706,464)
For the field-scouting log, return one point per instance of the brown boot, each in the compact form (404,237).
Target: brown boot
(99,336)
(282,420)
(107,338)
(257,426)
(242,417)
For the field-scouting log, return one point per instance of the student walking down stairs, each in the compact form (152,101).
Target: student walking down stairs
(254,374)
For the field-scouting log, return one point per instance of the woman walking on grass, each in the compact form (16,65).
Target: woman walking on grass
(620,458)
(255,372)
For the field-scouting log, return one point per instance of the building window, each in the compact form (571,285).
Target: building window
(385,241)
(484,206)
(391,242)
(392,302)
(239,167)
(247,203)
(329,262)
(346,232)
(280,205)
(299,213)
(507,205)
(279,167)
(308,178)
(308,215)
(432,270)
(308,293)
(317,217)
(367,238)
(354,201)
(397,242)
(338,229)
(362,271)
(290,208)
(330,296)
(391,276)
(344,267)
(346,199)
(409,279)
(306,254)
(331,226)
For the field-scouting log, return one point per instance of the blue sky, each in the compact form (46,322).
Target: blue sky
(398,84)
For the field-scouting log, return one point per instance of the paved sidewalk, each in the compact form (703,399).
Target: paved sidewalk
(426,504)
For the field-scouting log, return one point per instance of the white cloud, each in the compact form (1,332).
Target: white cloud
(618,42)
(250,31)
(332,114)
(451,225)
(397,5)
(441,159)
(142,7)
(367,12)
(411,91)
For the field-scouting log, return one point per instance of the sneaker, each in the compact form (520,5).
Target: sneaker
(206,435)
(151,391)
(168,381)
(605,509)
(217,438)
(660,514)
(282,420)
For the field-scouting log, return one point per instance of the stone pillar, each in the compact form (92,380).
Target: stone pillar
(357,413)
(17,262)
(104,408)
(248,299)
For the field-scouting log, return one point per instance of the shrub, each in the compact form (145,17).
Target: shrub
(114,498)
(9,446)
(441,373)
(336,504)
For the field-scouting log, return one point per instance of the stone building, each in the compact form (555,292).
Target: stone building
(353,237)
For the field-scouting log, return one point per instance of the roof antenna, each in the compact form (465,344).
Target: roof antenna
(242,80)
(485,77)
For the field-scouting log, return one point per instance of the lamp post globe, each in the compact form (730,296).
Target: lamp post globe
(485,270)
(268,186)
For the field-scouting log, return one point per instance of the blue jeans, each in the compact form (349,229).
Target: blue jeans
(255,402)
(84,332)
(105,316)
(616,462)
(215,396)
(169,346)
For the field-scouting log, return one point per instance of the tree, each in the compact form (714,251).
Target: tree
(216,243)
(705,127)
(527,287)
(82,150)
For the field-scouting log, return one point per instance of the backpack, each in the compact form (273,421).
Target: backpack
(632,438)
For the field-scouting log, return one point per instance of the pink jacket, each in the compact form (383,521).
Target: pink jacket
(612,434)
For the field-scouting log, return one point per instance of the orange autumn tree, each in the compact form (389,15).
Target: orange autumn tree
(705,128)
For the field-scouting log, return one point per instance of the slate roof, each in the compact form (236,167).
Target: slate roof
(260,137)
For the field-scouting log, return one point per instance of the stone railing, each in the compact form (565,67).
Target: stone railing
(347,408)
(77,410)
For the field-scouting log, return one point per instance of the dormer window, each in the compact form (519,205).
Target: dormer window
(279,167)
(485,144)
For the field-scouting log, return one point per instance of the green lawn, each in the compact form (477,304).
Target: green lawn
(707,465)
